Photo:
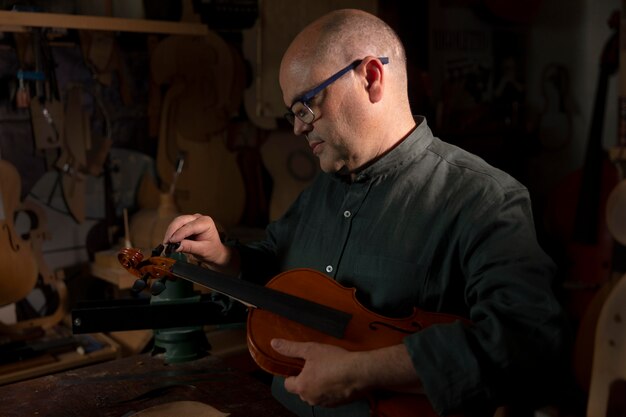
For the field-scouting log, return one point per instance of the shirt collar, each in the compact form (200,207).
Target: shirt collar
(405,152)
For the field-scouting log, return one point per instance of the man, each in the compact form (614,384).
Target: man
(409,221)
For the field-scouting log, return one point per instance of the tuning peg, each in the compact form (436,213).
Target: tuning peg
(171,248)
(158,286)
(140,283)
(158,251)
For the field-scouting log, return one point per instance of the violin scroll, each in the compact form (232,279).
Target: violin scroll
(130,258)
(157,267)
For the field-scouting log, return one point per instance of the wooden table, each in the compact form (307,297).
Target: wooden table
(120,387)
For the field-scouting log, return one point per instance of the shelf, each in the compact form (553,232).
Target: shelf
(11,21)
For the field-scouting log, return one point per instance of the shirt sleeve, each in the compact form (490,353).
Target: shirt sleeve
(518,330)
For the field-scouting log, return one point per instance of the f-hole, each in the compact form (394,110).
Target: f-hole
(375,324)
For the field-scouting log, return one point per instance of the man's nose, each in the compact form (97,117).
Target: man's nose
(301,128)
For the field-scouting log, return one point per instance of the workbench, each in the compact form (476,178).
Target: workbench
(121,387)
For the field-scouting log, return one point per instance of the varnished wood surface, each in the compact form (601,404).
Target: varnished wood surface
(120,387)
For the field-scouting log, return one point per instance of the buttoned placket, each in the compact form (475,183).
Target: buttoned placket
(355,195)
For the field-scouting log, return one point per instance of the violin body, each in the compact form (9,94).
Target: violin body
(18,264)
(366,331)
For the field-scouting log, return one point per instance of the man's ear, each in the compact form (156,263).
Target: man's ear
(374,76)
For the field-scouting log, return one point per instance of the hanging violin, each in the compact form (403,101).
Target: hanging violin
(300,305)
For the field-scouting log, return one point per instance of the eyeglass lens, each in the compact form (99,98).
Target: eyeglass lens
(302,112)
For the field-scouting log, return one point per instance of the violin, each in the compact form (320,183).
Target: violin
(301,305)
(18,265)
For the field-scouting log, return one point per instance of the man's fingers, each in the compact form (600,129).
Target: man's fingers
(185,226)
(289,348)
(290,384)
(175,225)
(189,246)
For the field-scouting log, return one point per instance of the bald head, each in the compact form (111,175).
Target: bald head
(342,36)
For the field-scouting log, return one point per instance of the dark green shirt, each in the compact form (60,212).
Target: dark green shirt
(432,226)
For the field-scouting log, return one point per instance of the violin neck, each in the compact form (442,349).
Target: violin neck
(311,314)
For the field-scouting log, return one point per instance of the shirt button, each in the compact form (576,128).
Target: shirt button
(347,214)
(329,269)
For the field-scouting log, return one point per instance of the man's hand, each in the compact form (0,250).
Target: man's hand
(330,375)
(198,236)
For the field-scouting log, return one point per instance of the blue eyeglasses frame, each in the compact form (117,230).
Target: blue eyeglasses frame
(309,95)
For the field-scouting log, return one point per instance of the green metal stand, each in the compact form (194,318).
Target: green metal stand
(179,344)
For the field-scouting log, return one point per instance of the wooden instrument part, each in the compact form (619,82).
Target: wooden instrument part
(211,182)
(48,120)
(148,225)
(204,92)
(577,211)
(616,203)
(18,265)
(44,322)
(73,159)
(292,167)
(364,330)
(29,266)
(592,259)
(616,212)
(37,234)
(207,66)
(46,109)
(180,408)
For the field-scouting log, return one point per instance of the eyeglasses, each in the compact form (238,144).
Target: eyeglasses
(300,106)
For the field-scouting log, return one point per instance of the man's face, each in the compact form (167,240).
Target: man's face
(330,134)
